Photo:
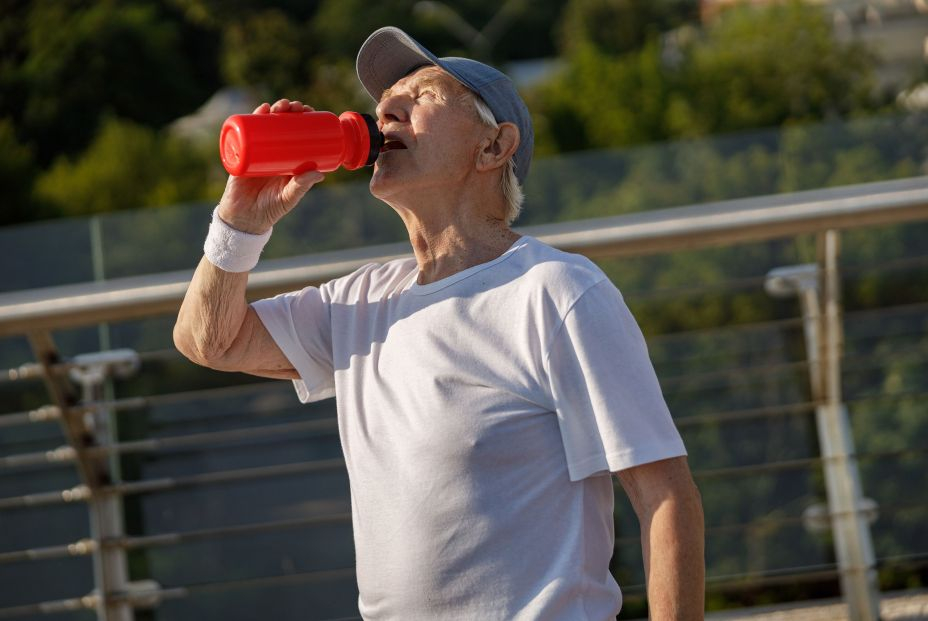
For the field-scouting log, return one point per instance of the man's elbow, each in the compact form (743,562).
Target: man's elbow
(688,499)
(201,351)
(695,500)
(185,343)
(691,491)
(683,503)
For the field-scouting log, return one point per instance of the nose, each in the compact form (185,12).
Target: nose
(392,109)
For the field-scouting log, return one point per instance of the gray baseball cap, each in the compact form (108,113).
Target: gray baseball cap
(390,54)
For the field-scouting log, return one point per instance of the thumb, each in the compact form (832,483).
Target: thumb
(297,187)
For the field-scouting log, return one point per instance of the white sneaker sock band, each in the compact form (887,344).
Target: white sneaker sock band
(232,250)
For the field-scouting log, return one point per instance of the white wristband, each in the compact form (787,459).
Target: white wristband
(232,250)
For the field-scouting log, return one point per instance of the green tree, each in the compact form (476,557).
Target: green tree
(130,166)
(516,30)
(219,13)
(266,51)
(764,67)
(71,63)
(341,26)
(600,100)
(17,173)
(615,27)
(754,67)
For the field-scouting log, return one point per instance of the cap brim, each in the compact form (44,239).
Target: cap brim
(388,55)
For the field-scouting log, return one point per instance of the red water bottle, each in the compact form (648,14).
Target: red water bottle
(290,143)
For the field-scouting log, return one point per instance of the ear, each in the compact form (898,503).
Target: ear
(496,150)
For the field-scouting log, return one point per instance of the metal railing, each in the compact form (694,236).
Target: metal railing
(91,446)
(681,228)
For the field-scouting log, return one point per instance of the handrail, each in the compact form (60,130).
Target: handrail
(679,228)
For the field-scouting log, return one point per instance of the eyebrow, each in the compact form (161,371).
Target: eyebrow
(420,84)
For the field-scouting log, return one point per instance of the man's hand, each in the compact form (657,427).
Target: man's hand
(216,327)
(255,204)
(670,514)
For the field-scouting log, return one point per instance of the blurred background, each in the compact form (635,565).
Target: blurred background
(230,498)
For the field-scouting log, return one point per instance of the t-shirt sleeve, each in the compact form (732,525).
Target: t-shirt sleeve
(608,402)
(300,323)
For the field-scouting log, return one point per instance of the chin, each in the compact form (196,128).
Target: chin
(384,183)
(377,184)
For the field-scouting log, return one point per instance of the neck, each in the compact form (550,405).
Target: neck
(449,238)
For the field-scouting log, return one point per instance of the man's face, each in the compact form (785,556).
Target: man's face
(432,136)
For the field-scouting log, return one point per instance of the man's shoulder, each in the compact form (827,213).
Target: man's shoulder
(372,280)
(560,270)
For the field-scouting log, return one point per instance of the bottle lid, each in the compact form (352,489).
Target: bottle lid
(376,137)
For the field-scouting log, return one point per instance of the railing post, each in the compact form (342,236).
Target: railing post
(85,430)
(111,569)
(818,287)
(853,543)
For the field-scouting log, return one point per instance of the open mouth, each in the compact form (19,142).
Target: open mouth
(391,145)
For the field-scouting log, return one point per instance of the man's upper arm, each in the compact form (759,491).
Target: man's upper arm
(651,484)
(609,405)
(254,351)
(672,536)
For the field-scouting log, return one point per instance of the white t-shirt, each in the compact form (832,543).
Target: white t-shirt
(480,417)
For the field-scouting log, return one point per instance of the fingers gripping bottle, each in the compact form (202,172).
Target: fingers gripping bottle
(290,143)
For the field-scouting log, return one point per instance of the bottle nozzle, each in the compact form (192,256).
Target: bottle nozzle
(376,139)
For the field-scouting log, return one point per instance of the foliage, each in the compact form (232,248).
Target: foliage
(341,26)
(753,68)
(603,101)
(520,28)
(763,68)
(17,171)
(266,51)
(67,66)
(626,81)
(127,166)
(754,163)
(221,13)
(75,63)
(614,27)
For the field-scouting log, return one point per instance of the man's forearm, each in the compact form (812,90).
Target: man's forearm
(673,546)
(212,313)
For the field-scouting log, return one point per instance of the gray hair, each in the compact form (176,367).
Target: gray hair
(512,191)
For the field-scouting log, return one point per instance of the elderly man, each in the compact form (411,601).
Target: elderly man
(486,388)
